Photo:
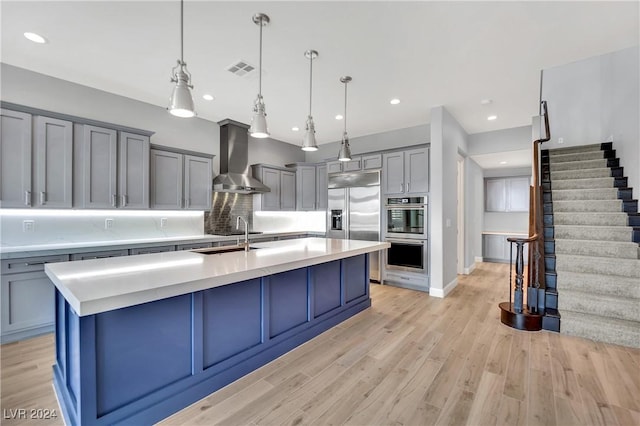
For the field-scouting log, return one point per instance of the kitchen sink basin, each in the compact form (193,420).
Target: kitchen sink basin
(220,250)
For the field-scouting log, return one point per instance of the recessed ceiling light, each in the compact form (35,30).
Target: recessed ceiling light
(295,129)
(503,162)
(207,97)
(492,117)
(394,101)
(36,38)
(486,101)
(339,117)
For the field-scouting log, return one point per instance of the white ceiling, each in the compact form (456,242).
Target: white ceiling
(425,53)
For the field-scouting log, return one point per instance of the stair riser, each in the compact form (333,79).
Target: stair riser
(585,194)
(590,207)
(578,165)
(595,330)
(594,265)
(576,156)
(598,284)
(551,300)
(598,249)
(590,219)
(574,149)
(596,305)
(590,183)
(590,233)
(581,174)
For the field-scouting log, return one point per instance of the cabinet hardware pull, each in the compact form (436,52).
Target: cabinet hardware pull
(402,187)
(408,183)
(187,201)
(114,200)
(124,201)
(43,198)
(27,198)
(34,263)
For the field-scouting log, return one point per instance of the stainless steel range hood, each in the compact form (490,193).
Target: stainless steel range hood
(235,174)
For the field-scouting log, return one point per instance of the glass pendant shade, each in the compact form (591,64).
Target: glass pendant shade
(181,101)
(258,127)
(309,139)
(345,150)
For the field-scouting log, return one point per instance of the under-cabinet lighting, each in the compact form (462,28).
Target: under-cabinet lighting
(98,213)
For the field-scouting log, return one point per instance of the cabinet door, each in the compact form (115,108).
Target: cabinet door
(99,167)
(287,190)
(15,159)
(27,301)
(271,200)
(495,247)
(334,166)
(321,187)
(198,179)
(352,166)
(495,195)
(416,171)
(166,182)
(393,173)
(54,162)
(370,162)
(133,171)
(306,188)
(518,194)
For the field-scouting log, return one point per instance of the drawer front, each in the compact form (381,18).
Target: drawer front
(147,250)
(192,246)
(100,254)
(30,264)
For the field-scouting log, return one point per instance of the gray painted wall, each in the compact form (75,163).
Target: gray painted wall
(399,138)
(513,139)
(474,212)
(596,98)
(447,139)
(28,88)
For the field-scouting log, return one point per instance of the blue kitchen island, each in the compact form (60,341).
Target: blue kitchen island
(141,337)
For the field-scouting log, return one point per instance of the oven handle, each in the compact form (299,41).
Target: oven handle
(405,206)
(402,241)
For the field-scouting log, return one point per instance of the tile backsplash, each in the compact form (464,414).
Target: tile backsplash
(225,208)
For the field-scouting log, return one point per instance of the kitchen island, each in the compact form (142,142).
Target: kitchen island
(141,337)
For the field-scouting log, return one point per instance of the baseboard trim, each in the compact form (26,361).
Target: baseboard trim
(442,293)
(470,269)
(479,259)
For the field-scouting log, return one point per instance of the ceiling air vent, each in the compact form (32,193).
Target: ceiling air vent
(240,68)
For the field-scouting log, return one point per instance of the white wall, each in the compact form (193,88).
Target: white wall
(593,99)
(447,139)
(24,87)
(474,212)
(496,141)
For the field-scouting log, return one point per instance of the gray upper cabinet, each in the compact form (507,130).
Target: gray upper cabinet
(509,194)
(406,172)
(306,188)
(198,178)
(166,179)
(354,165)
(53,168)
(15,159)
(133,171)
(371,162)
(334,166)
(282,183)
(96,155)
(180,181)
(322,191)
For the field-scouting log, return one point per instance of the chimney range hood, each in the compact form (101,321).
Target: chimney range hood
(235,174)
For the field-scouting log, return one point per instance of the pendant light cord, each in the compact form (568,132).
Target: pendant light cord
(345,107)
(260,62)
(310,80)
(182,31)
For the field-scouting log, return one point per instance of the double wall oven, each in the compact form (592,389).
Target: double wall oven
(406,230)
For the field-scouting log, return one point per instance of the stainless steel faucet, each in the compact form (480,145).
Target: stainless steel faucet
(246,231)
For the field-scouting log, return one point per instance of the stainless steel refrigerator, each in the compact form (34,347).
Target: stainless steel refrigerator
(353,211)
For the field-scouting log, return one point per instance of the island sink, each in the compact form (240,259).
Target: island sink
(223,249)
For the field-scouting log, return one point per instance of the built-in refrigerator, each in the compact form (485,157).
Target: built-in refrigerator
(353,211)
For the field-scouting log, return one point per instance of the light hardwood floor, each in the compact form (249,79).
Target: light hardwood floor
(411,359)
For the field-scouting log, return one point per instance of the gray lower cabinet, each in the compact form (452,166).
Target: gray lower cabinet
(15,159)
(496,248)
(27,302)
(147,250)
(282,183)
(180,181)
(192,246)
(100,254)
(53,166)
(406,172)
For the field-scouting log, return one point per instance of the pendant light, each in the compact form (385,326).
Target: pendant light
(309,139)
(181,101)
(345,150)
(258,127)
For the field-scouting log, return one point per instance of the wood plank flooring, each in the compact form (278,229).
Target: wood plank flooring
(409,360)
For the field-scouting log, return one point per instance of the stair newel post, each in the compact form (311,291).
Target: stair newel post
(518,293)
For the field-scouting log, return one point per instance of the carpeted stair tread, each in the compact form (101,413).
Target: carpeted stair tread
(601,329)
(581,174)
(599,304)
(591,218)
(588,183)
(612,249)
(584,194)
(587,232)
(591,206)
(577,165)
(577,148)
(576,156)
(598,265)
(598,284)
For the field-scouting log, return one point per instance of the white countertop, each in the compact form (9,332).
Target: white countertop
(100,285)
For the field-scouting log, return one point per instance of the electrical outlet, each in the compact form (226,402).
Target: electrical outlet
(108,223)
(163,222)
(560,140)
(28,225)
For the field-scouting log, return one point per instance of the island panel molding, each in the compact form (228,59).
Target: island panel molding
(141,363)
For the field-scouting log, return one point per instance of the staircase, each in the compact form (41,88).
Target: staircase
(592,231)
